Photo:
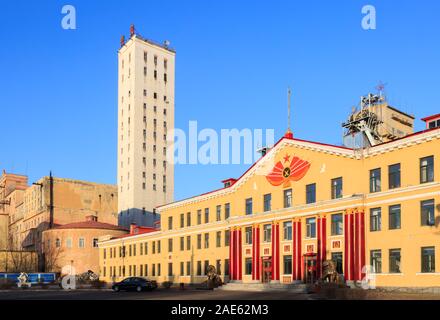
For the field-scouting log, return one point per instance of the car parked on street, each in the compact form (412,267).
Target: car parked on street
(135,284)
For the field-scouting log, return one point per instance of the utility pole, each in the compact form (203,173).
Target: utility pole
(289,93)
(50,200)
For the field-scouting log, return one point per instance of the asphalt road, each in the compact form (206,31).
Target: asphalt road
(159,294)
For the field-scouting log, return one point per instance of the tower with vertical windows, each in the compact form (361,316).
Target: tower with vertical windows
(145,116)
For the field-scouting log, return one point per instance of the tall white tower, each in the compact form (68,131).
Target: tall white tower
(145,116)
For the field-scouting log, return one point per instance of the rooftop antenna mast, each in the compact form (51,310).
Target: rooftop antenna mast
(381,88)
(289,93)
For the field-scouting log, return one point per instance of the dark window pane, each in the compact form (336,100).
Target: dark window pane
(394,217)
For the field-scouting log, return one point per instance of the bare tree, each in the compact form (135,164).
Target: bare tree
(18,260)
(51,255)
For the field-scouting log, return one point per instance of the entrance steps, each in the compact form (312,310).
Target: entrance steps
(267,287)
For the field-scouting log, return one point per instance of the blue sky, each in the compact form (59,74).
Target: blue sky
(234,61)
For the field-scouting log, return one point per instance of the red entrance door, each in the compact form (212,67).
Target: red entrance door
(266,267)
(310,268)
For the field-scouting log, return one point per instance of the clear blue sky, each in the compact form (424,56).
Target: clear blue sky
(234,61)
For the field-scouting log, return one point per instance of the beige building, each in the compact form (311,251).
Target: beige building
(27,211)
(145,116)
(76,244)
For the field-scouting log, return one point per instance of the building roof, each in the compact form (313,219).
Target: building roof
(90,225)
(435,116)
(334,148)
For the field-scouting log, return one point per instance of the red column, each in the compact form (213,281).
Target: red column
(258,253)
(255,253)
(349,246)
(231,254)
(275,251)
(322,236)
(352,247)
(239,256)
(359,245)
(362,242)
(297,262)
(356,246)
(278,251)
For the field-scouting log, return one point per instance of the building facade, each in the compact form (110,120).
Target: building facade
(374,210)
(145,116)
(75,245)
(26,211)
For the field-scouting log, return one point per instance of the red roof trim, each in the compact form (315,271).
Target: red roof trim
(431,117)
(408,136)
(213,191)
(90,225)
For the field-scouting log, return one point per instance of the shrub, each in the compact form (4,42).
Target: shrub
(167,284)
(99,284)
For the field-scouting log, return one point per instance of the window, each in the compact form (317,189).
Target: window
(227,210)
(170,269)
(226,267)
(207,215)
(227,237)
(394,217)
(218,212)
(337,188)
(311,193)
(58,243)
(182,268)
(199,268)
(206,240)
(337,224)
(199,241)
(95,243)
(218,266)
(188,219)
(182,220)
(170,223)
(428,259)
(375,219)
(188,242)
(199,216)
(394,176)
(158,246)
(287,263)
(311,228)
(182,243)
(170,245)
(427,212)
(395,259)
(267,200)
(218,238)
(375,180)
(188,268)
(337,258)
(158,269)
(248,235)
(287,230)
(376,261)
(287,198)
(427,169)
(267,233)
(248,266)
(249,206)
(69,242)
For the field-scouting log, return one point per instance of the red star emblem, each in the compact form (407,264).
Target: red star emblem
(286,158)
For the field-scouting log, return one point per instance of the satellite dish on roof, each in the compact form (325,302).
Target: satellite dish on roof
(166,43)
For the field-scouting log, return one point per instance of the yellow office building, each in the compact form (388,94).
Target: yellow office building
(302,203)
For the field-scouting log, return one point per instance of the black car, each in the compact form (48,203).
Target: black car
(135,283)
